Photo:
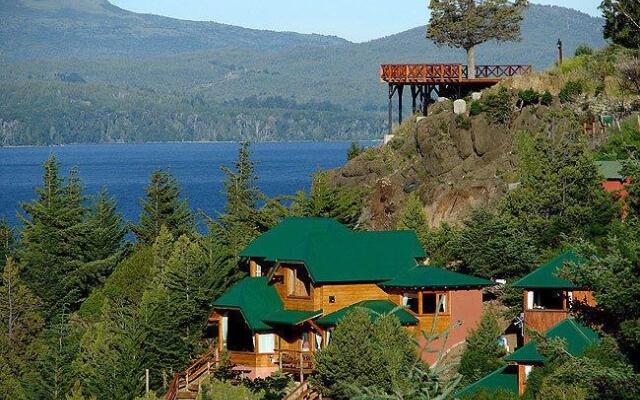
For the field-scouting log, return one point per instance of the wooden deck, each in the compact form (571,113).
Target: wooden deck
(436,74)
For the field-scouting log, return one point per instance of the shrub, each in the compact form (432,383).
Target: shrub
(483,353)
(528,97)
(546,98)
(498,105)
(475,108)
(463,122)
(583,50)
(570,91)
(354,151)
(218,390)
(629,76)
(378,355)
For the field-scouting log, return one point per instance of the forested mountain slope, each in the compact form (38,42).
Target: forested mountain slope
(91,72)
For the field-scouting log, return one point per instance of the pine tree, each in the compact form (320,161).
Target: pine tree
(483,354)
(162,205)
(354,151)
(412,217)
(467,23)
(53,240)
(242,220)
(6,240)
(622,22)
(106,228)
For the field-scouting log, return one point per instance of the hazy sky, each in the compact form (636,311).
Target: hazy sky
(356,20)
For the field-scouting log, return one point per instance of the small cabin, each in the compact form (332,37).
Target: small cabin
(547,297)
(306,274)
(615,182)
(548,302)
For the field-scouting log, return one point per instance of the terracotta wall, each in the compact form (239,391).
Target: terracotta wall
(466,307)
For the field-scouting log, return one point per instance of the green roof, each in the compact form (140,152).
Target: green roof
(546,275)
(375,308)
(254,298)
(504,378)
(290,317)
(577,338)
(433,277)
(335,254)
(611,170)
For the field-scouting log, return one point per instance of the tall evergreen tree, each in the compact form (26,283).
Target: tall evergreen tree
(622,22)
(483,354)
(467,23)
(6,240)
(106,229)
(53,240)
(412,217)
(242,220)
(162,205)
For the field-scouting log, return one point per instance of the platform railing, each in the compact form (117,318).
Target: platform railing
(447,73)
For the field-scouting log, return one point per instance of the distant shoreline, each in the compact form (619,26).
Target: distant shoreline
(188,142)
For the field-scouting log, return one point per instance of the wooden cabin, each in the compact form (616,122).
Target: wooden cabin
(615,182)
(305,274)
(548,300)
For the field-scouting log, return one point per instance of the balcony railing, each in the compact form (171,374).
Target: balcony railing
(447,73)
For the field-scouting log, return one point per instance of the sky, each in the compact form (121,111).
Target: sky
(355,20)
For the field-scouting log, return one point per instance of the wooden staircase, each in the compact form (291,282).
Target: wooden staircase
(303,392)
(186,384)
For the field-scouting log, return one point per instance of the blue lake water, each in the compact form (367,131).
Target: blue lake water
(124,170)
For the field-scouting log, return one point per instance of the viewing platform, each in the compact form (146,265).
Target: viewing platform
(441,80)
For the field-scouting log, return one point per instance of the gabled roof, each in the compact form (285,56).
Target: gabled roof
(335,254)
(577,338)
(611,170)
(504,378)
(546,275)
(254,298)
(431,277)
(375,308)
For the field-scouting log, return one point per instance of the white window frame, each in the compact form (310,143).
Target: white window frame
(266,343)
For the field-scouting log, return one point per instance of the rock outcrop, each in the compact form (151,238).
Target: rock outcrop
(453,165)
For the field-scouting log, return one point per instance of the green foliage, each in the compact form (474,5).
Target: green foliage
(242,220)
(560,191)
(622,18)
(462,122)
(546,99)
(7,240)
(412,217)
(376,355)
(629,76)
(493,246)
(273,387)
(483,354)
(328,200)
(106,228)
(570,91)
(499,105)
(528,97)
(218,390)
(354,151)
(622,144)
(583,50)
(475,108)
(162,206)
(470,23)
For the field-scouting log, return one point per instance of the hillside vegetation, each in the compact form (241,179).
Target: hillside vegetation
(78,74)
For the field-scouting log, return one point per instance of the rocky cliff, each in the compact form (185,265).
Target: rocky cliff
(454,163)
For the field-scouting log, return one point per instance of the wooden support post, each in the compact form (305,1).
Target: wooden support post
(414,96)
(391,90)
(560,56)
(146,381)
(280,352)
(301,363)
(400,90)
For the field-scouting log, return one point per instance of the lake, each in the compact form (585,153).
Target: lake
(124,170)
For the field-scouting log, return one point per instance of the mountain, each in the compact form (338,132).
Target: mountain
(87,71)
(89,28)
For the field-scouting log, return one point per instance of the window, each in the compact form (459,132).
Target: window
(548,299)
(258,270)
(267,343)
(435,301)
(299,282)
(410,300)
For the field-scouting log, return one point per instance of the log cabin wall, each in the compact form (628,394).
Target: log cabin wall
(283,278)
(335,297)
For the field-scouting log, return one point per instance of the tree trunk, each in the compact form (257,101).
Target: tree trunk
(471,62)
